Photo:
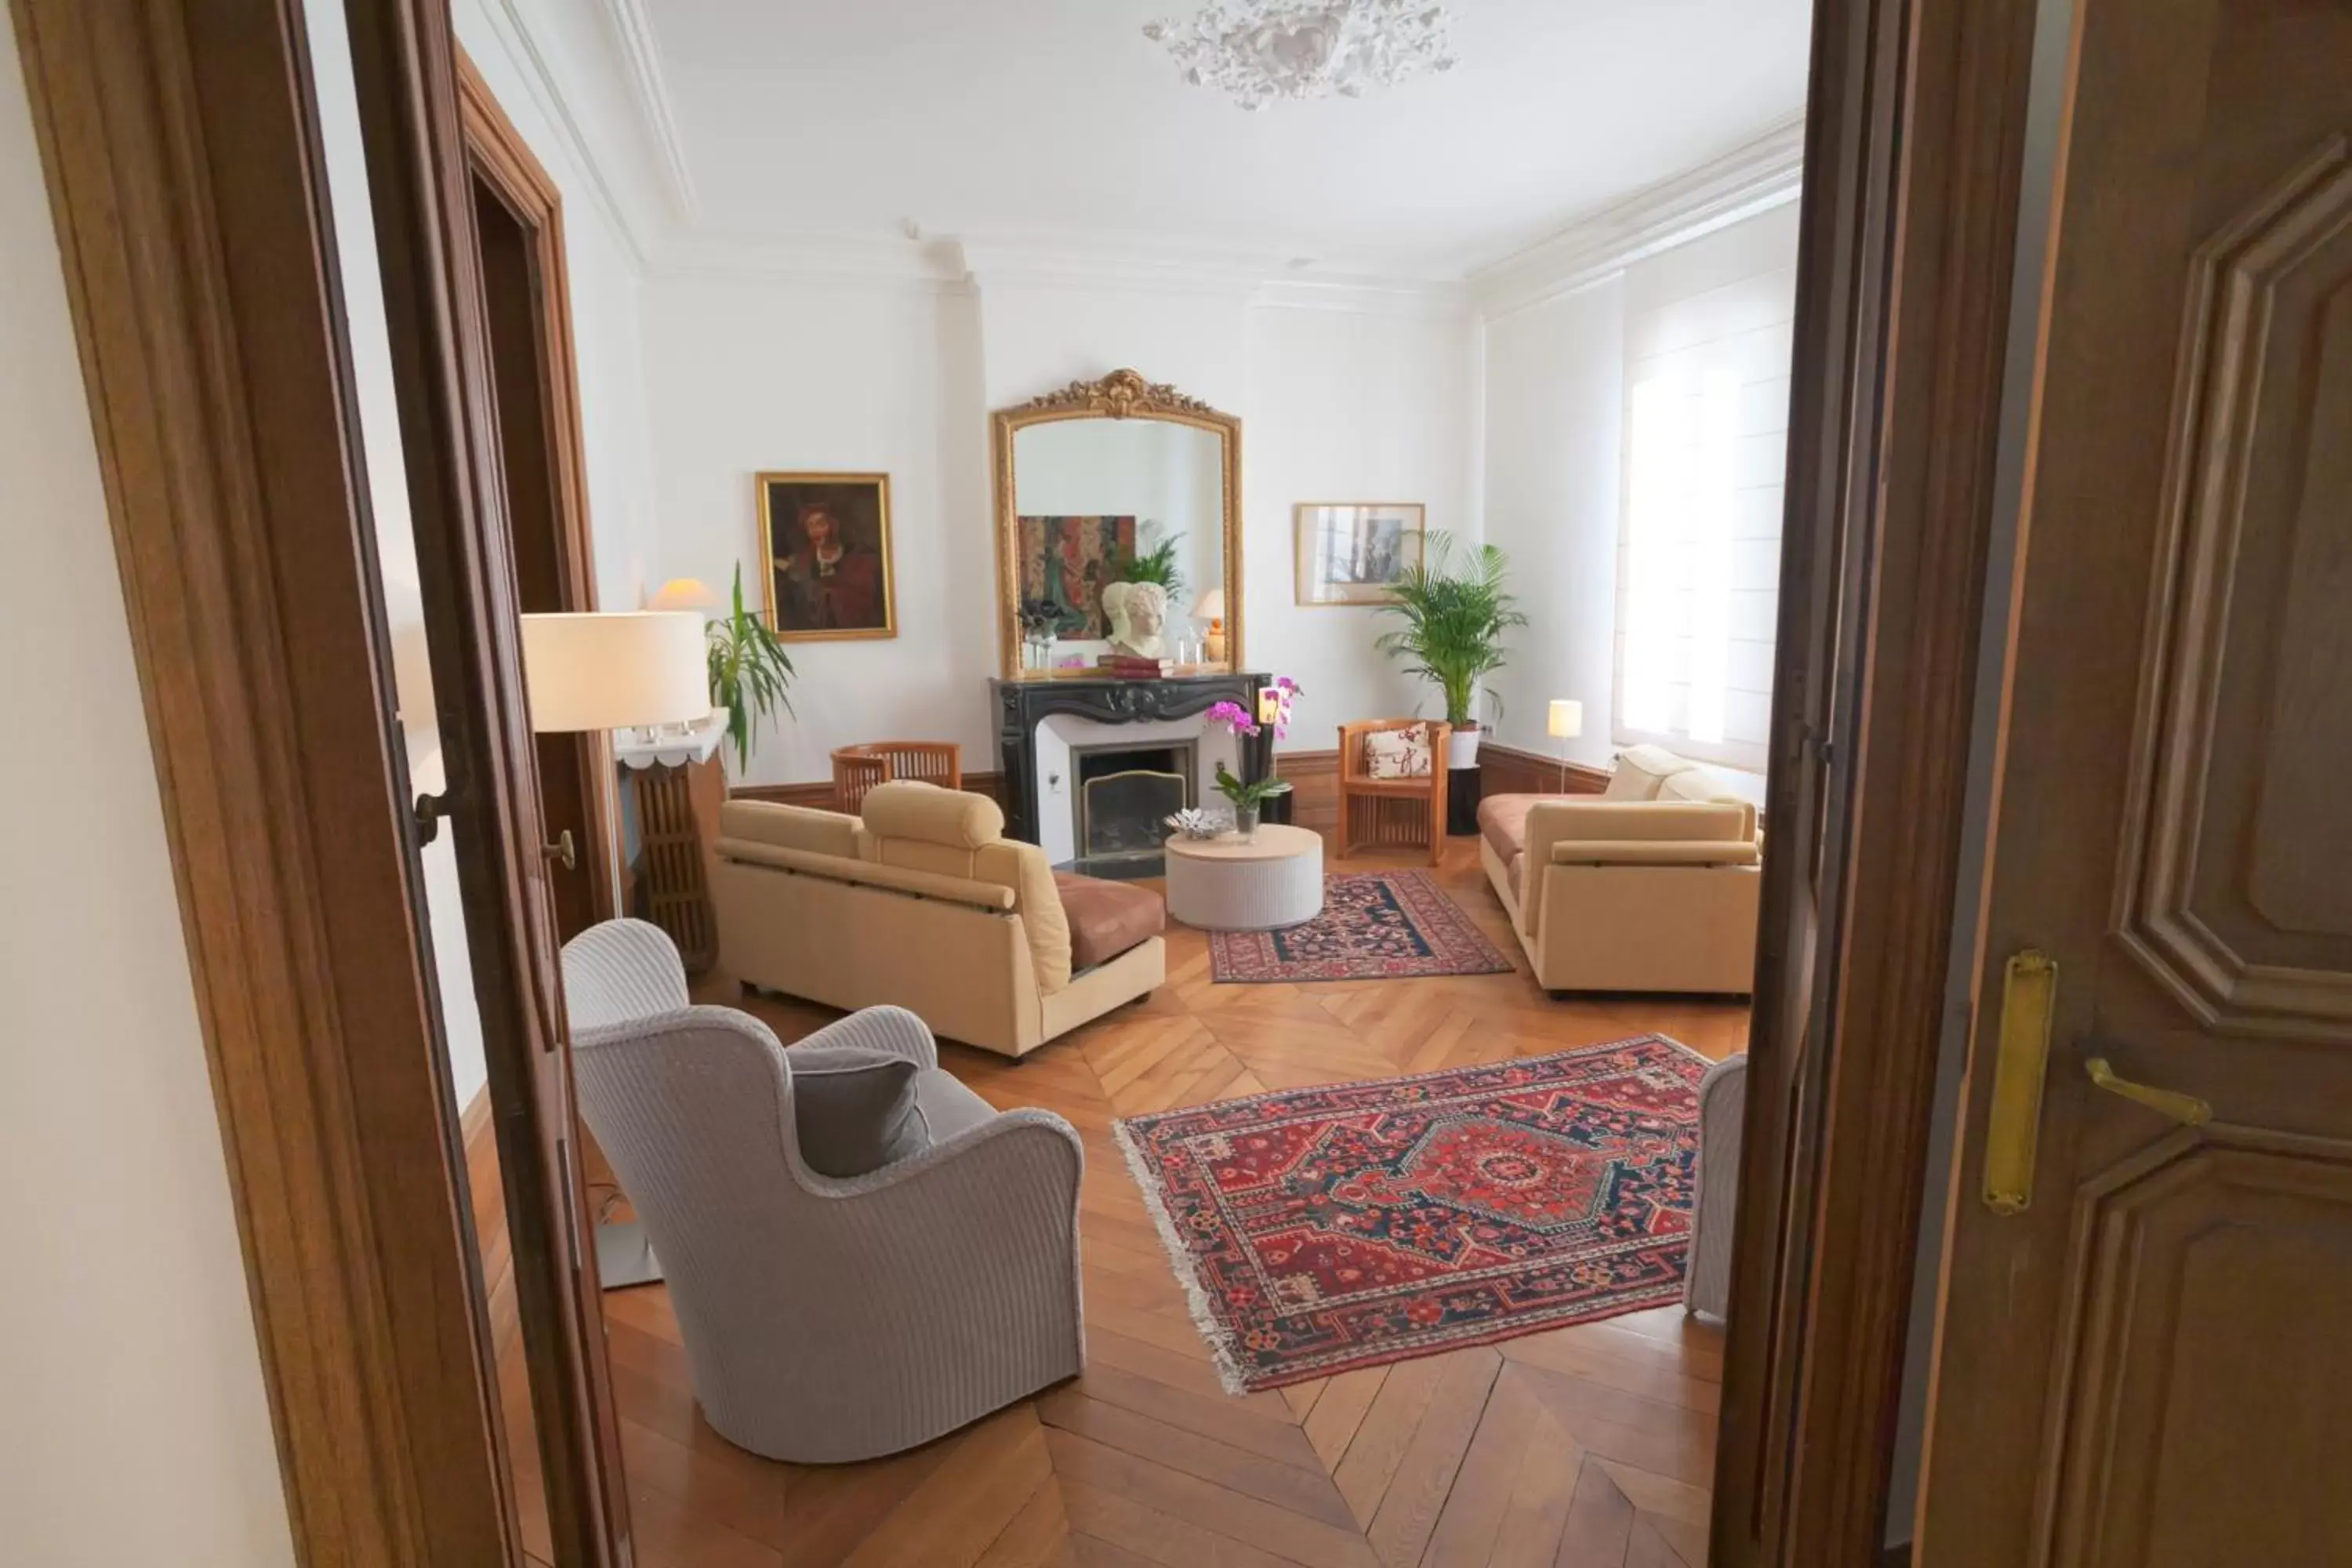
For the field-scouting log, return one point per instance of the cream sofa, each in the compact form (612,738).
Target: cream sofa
(1652,886)
(921,903)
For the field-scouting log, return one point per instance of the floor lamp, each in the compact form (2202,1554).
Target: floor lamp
(591,673)
(1566,724)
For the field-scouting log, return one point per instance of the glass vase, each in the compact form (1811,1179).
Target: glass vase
(1246,823)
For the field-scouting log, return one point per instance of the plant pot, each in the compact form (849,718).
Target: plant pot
(1246,823)
(1462,747)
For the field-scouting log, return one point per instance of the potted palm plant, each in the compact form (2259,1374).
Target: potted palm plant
(1455,609)
(748,671)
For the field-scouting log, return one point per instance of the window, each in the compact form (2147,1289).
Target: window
(1706,377)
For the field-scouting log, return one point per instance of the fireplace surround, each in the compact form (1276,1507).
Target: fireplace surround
(1020,705)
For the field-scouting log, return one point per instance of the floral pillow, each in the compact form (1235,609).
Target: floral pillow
(1398,754)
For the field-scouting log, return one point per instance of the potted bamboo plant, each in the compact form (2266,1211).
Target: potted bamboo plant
(748,671)
(1455,608)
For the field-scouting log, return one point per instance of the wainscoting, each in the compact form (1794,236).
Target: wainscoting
(1503,770)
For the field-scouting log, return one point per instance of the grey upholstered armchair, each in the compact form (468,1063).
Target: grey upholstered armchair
(825,1320)
(1722,1114)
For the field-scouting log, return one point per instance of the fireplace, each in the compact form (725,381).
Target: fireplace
(1123,795)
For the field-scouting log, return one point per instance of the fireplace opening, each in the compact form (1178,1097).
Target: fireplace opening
(1123,795)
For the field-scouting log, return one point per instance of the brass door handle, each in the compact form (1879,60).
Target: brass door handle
(2185,1108)
(562,851)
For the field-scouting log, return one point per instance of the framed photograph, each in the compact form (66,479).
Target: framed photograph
(1353,553)
(827,541)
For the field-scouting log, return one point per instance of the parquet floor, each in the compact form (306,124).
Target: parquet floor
(1573,1449)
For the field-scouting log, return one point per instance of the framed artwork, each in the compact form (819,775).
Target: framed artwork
(827,541)
(1353,553)
(1065,563)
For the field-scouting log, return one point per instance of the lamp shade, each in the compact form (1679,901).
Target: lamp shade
(612,671)
(1212,606)
(1567,719)
(682,594)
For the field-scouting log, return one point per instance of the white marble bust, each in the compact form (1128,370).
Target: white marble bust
(1139,614)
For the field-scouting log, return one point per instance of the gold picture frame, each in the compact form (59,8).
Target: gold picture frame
(813,599)
(1342,554)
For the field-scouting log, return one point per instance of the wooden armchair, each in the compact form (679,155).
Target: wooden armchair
(1390,814)
(856,769)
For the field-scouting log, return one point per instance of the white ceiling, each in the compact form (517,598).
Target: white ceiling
(1039,120)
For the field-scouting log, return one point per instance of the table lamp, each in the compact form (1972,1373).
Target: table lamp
(1212,609)
(622,671)
(684,594)
(1567,723)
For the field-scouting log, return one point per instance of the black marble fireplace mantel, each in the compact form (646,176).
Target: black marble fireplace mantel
(1022,705)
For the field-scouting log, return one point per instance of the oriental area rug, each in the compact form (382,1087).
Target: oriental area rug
(1375,925)
(1319,1230)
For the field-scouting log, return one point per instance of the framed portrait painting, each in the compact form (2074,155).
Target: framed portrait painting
(1353,553)
(827,541)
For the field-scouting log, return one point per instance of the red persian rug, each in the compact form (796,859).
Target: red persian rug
(1375,925)
(1324,1229)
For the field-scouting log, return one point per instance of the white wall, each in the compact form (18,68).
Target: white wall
(1348,405)
(133,1424)
(745,376)
(1556,386)
(1555,417)
(746,373)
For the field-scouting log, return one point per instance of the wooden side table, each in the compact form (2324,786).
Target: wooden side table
(667,776)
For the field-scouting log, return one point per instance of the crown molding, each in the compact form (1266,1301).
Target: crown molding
(1756,177)
(831,260)
(642,55)
(1250,277)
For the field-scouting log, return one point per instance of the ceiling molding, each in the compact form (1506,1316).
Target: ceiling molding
(865,260)
(642,55)
(1253,277)
(1754,177)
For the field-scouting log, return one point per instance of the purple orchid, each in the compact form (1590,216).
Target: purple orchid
(1233,717)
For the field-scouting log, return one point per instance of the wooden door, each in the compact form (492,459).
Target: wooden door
(527,329)
(2151,1363)
(405,72)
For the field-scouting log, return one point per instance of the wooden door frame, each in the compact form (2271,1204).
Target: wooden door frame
(1914,153)
(185,178)
(504,162)
(182,164)
(420,188)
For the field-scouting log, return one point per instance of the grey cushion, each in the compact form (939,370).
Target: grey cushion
(948,1107)
(855,1110)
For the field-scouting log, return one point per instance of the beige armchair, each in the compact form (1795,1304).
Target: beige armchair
(922,902)
(1654,888)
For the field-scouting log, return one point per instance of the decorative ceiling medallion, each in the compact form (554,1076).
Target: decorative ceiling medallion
(1260,50)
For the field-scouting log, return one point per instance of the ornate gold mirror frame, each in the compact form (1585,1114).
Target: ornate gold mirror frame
(1122,394)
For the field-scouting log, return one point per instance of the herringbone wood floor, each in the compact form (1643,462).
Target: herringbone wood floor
(1573,1449)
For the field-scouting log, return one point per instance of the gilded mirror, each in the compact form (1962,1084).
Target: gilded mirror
(1103,485)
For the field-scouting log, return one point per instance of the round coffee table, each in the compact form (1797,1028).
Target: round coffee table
(1228,884)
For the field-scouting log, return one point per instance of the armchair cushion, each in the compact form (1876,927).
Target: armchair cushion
(1107,918)
(855,1110)
(1398,754)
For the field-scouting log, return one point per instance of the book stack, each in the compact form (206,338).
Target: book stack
(1134,667)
